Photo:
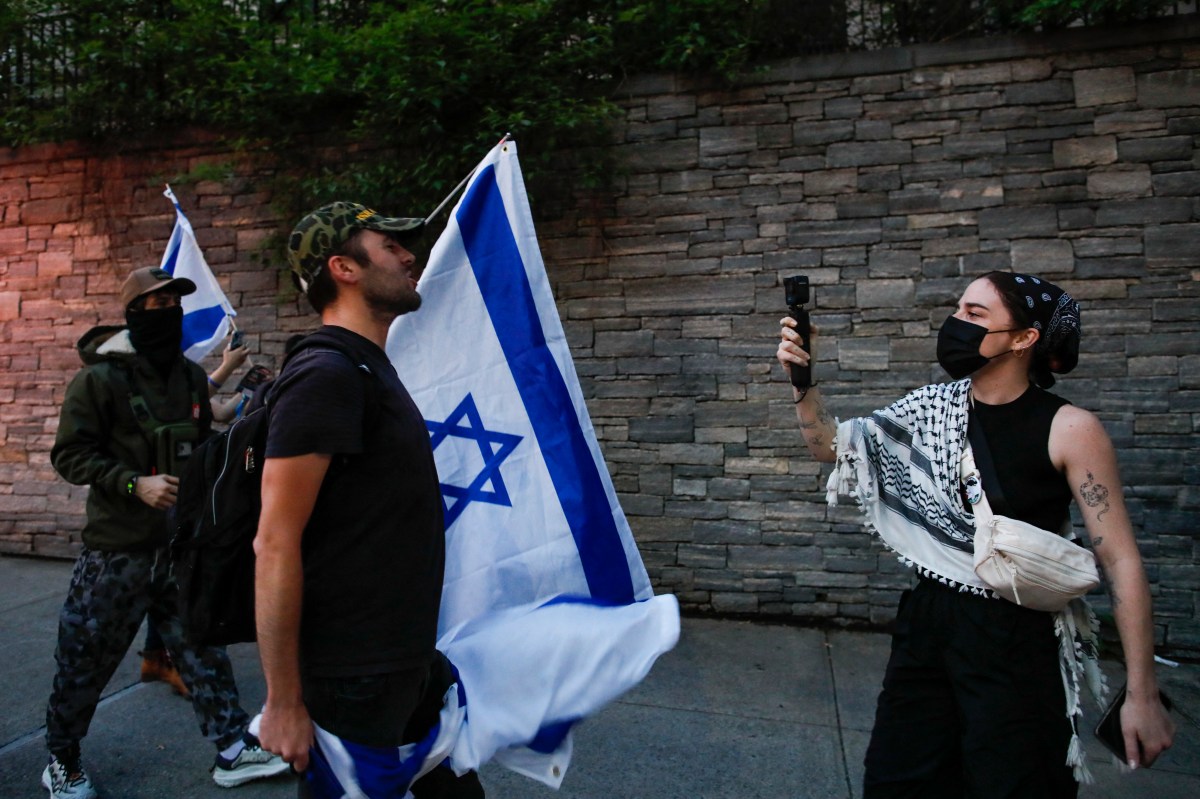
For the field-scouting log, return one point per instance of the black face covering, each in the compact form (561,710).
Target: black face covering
(157,334)
(958,347)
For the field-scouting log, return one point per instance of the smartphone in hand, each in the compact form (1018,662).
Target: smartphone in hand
(1108,730)
(255,377)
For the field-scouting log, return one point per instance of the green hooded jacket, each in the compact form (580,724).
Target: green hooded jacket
(100,442)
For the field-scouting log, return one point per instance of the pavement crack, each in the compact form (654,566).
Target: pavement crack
(837,713)
(40,732)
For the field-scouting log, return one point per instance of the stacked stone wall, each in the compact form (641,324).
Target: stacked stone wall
(888,178)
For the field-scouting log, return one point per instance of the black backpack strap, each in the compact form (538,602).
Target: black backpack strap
(987,467)
(319,342)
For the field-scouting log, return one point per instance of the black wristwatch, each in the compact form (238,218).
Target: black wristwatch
(131,485)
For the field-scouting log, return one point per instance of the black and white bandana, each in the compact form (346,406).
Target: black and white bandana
(1055,315)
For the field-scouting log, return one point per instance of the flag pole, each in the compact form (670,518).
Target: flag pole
(458,188)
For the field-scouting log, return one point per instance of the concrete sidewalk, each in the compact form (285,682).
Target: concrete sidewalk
(738,710)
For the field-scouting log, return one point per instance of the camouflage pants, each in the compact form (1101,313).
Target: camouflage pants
(110,594)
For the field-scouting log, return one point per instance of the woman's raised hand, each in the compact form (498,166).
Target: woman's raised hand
(789,351)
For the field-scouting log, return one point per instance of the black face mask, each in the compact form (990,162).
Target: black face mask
(156,334)
(958,347)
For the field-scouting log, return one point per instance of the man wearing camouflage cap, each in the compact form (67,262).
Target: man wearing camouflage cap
(350,545)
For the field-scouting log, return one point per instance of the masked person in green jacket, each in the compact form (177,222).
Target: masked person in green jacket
(129,420)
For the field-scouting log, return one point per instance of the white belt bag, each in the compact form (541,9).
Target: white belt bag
(1032,567)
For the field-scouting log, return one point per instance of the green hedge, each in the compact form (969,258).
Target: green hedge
(433,81)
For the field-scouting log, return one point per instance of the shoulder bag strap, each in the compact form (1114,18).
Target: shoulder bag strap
(987,467)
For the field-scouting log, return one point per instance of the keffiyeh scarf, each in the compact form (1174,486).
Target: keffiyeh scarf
(901,464)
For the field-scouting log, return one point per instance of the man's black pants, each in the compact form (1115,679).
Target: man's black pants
(390,710)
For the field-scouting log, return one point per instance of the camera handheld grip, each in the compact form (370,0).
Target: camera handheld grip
(802,375)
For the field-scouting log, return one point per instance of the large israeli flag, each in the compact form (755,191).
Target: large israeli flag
(206,312)
(537,548)
(530,509)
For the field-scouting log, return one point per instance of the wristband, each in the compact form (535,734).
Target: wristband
(212,382)
(803,393)
(131,485)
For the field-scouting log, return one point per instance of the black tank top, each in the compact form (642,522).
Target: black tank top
(1018,435)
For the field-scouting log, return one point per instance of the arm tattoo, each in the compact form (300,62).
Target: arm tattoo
(1095,495)
(1109,584)
(815,429)
(823,415)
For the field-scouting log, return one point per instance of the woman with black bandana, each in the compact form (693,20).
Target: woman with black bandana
(981,695)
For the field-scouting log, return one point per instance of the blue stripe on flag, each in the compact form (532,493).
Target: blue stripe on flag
(498,267)
(199,325)
(550,737)
(171,257)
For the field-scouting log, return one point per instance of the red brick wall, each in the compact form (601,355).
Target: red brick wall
(75,222)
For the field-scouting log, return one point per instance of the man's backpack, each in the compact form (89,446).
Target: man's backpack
(215,520)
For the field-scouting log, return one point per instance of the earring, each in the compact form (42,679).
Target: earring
(1021,352)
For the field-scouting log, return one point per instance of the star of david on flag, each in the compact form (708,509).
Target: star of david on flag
(455,498)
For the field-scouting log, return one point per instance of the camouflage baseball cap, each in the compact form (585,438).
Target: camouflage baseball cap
(320,234)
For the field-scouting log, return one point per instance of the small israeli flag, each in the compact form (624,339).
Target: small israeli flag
(530,509)
(206,312)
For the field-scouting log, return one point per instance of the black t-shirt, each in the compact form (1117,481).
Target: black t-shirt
(374,548)
(1018,436)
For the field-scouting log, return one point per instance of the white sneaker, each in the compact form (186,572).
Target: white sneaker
(67,780)
(252,763)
